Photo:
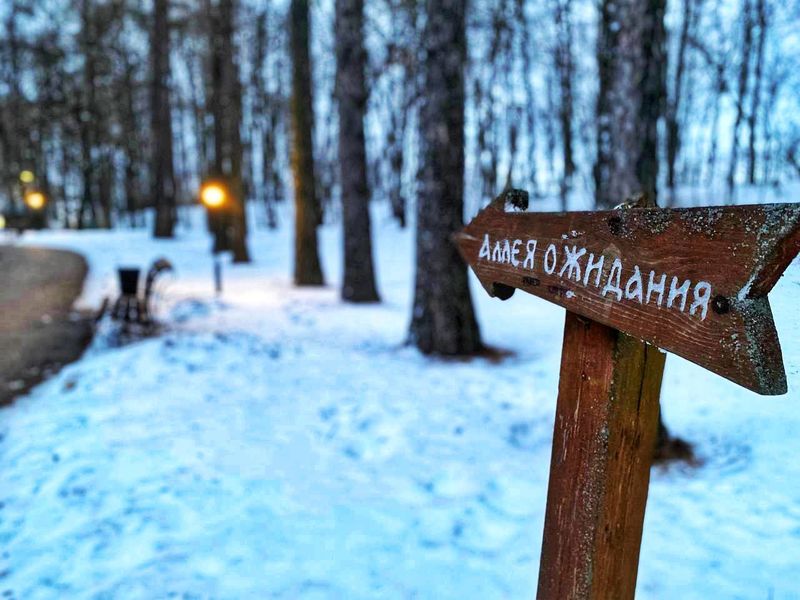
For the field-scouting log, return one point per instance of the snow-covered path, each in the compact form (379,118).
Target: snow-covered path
(278,443)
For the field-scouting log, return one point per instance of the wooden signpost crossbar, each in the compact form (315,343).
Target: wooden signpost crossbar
(689,281)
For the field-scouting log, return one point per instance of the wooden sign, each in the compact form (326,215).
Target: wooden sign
(691,281)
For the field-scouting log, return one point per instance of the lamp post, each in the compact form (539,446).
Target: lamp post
(214,196)
(36,202)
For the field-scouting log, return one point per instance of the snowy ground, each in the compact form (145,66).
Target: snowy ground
(278,443)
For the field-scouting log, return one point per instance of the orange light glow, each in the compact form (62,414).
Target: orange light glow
(35,200)
(213,195)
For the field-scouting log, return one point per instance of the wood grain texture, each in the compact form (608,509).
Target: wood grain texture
(605,431)
(739,251)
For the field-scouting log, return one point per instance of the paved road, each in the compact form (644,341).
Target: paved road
(39,332)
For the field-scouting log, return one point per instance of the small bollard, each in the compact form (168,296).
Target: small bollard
(217,274)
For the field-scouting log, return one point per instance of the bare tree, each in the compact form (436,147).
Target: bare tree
(401,97)
(86,114)
(653,87)
(307,269)
(674,103)
(631,58)
(75,103)
(530,107)
(487,78)
(744,79)
(162,169)
(267,107)
(227,113)
(755,96)
(13,118)
(400,100)
(359,277)
(443,320)
(564,66)
(630,102)
(132,143)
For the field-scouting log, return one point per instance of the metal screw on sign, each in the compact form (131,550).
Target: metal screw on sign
(691,281)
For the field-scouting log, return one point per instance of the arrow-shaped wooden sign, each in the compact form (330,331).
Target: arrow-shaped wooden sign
(691,281)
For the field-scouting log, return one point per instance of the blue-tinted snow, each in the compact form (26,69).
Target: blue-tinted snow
(277,443)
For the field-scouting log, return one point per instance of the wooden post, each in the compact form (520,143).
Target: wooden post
(605,432)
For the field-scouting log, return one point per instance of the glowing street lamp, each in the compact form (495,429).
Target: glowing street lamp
(214,196)
(27,176)
(35,200)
